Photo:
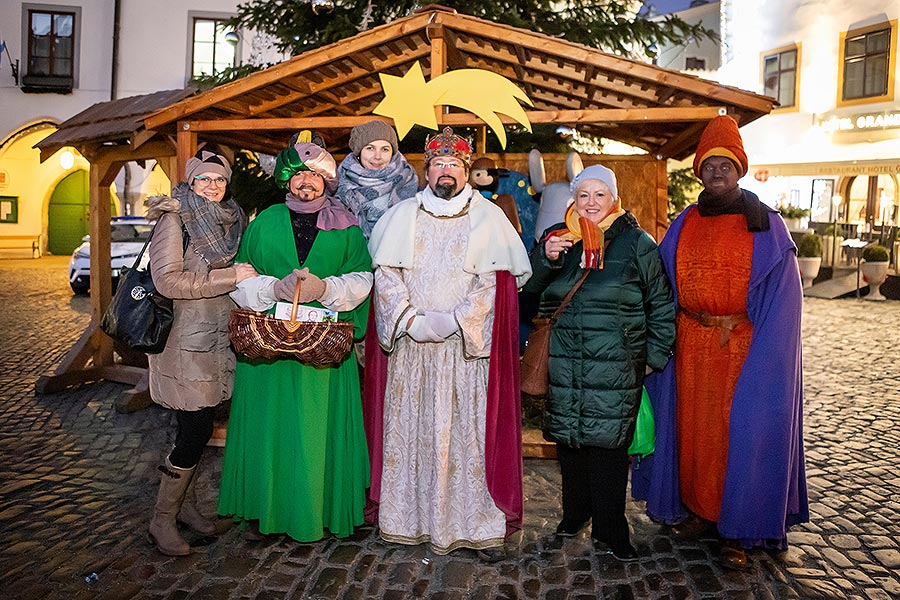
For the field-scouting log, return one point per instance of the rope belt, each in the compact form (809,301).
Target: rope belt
(725,323)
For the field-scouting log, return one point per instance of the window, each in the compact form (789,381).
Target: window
(9,209)
(52,48)
(212,52)
(866,69)
(692,62)
(780,76)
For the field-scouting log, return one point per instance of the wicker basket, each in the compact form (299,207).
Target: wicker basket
(261,335)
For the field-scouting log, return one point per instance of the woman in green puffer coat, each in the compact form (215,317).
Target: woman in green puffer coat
(618,325)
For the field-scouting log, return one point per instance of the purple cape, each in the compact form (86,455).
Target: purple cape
(765,477)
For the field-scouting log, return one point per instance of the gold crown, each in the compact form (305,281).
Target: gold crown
(448,143)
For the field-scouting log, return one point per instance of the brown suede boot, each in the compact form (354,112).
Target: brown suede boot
(173,482)
(190,516)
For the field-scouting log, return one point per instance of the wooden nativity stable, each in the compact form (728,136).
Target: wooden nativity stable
(333,88)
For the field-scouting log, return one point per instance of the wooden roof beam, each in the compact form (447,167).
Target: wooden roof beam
(607,62)
(125,152)
(628,115)
(455,59)
(682,142)
(546,69)
(285,124)
(313,89)
(362,62)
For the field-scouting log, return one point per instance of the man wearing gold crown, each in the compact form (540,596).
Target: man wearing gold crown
(447,267)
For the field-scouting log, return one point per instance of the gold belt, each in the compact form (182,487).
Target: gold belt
(725,323)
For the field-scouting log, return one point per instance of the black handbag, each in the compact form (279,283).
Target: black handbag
(138,315)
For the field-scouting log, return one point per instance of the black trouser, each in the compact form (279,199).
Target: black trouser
(593,487)
(195,427)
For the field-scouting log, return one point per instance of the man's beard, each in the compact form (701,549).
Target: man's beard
(445,190)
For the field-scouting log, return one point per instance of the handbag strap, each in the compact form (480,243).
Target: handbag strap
(185,240)
(568,297)
(137,261)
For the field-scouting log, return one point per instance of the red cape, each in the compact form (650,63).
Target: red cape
(503,435)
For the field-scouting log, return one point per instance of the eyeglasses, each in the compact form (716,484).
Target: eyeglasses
(439,164)
(205,181)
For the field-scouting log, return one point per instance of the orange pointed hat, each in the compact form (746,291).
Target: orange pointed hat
(721,138)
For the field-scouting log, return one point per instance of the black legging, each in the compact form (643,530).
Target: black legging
(593,487)
(195,427)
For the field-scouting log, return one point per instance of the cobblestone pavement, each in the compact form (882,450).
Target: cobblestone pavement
(77,482)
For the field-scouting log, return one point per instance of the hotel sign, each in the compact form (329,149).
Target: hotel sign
(859,122)
(827,169)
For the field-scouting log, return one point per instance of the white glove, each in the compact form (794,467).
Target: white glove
(443,324)
(421,331)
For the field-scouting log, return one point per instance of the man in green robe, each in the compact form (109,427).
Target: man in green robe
(295,456)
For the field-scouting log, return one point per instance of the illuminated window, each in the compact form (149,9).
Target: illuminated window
(780,77)
(866,64)
(212,52)
(52,49)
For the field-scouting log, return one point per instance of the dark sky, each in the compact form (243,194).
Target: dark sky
(664,7)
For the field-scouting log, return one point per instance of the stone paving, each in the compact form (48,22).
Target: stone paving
(78,480)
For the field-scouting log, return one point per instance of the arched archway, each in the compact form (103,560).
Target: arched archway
(68,213)
(870,199)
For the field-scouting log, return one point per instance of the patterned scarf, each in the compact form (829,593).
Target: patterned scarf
(592,235)
(369,193)
(214,228)
(332,214)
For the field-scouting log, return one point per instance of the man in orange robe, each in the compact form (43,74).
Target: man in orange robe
(728,407)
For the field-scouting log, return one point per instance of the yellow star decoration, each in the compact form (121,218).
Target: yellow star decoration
(410,100)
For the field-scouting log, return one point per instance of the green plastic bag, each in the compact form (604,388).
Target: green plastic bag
(644,430)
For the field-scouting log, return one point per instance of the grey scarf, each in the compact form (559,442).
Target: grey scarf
(369,193)
(214,228)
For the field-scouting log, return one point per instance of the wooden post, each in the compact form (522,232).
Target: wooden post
(186,147)
(662,199)
(438,68)
(102,175)
(481,140)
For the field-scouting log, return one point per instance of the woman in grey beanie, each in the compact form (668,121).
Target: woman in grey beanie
(374,176)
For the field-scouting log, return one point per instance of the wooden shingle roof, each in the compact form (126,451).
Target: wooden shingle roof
(116,122)
(336,87)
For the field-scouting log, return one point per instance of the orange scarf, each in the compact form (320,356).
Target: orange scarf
(591,234)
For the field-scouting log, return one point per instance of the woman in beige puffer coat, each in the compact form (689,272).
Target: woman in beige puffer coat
(197,235)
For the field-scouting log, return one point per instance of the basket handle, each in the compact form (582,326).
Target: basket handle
(296,301)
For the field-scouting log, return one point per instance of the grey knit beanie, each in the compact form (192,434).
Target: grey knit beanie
(371,132)
(207,162)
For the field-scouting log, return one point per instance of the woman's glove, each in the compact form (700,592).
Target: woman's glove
(284,289)
(311,288)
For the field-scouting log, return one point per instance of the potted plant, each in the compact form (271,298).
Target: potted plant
(809,257)
(874,269)
(831,244)
(793,216)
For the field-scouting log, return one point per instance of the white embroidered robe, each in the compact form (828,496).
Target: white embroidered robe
(433,486)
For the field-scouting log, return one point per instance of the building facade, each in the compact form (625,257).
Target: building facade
(832,147)
(58,59)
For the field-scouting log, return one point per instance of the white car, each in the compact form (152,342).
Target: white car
(127,237)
